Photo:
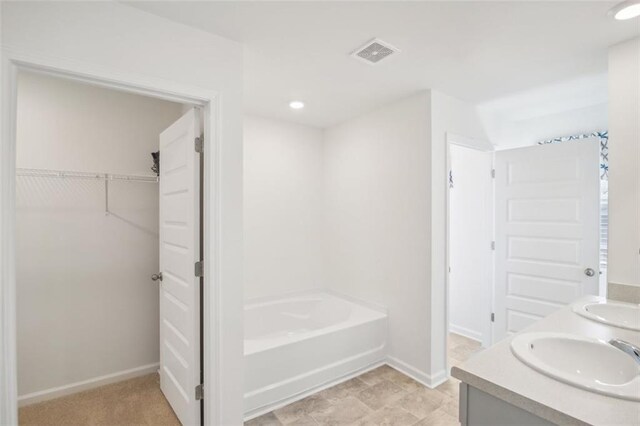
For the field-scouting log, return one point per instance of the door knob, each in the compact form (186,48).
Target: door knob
(157,277)
(589,272)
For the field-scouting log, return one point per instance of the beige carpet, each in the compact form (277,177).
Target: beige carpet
(137,401)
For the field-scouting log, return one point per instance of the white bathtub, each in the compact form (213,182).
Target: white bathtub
(298,344)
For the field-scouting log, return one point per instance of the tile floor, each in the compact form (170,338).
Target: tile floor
(382,396)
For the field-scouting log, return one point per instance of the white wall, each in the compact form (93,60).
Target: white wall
(86,304)
(470,233)
(448,116)
(282,207)
(385,200)
(115,39)
(377,220)
(624,163)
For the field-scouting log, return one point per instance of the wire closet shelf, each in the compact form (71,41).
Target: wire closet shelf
(86,175)
(106,177)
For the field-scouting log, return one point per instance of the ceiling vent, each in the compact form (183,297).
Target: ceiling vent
(374,51)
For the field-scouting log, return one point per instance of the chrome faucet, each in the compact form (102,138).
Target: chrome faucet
(630,349)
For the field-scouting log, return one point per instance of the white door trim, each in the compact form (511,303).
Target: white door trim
(453,139)
(13,62)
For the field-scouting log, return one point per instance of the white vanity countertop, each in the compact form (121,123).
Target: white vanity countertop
(498,372)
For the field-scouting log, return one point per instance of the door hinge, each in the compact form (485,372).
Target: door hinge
(199,269)
(199,392)
(493,317)
(493,245)
(200,144)
(493,173)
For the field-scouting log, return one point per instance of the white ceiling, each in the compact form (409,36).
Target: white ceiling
(476,51)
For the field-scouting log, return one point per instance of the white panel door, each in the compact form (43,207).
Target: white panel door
(179,251)
(547,230)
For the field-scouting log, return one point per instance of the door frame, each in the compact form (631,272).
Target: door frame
(469,143)
(11,64)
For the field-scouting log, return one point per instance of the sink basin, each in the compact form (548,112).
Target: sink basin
(617,314)
(586,363)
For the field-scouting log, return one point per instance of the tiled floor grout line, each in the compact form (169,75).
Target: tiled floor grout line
(381,396)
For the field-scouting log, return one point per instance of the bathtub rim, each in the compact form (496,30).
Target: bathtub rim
(263,300)
(381,311)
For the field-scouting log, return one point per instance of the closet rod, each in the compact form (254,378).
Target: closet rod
(85,175)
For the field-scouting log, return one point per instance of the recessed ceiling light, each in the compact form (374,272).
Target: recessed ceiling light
(626,10)
(296,104)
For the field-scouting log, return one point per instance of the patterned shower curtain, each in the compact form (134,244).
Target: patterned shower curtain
(603,137)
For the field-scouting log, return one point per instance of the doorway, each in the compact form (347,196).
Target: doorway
(534,246)
(96,217)
(470,231)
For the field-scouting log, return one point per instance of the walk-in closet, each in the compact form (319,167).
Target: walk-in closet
(88,232)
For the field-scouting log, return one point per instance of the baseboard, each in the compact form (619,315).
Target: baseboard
(266,409)
(57,392)
(430,381)
(439,378)
(465,332)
